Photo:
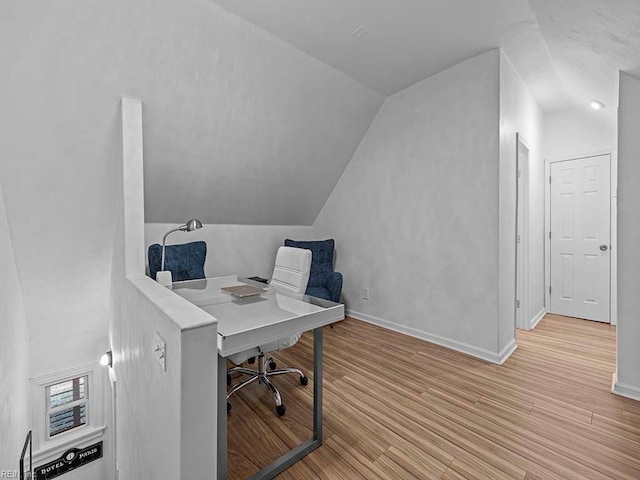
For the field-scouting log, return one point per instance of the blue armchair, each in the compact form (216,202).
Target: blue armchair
(323,281)
(186,261)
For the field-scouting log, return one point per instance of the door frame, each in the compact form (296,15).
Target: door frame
(522,229)
(613,270)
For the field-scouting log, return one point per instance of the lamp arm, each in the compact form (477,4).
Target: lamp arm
(163,244)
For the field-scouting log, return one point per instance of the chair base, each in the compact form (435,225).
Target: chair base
(262,374)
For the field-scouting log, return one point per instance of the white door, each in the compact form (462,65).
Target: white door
(581,238)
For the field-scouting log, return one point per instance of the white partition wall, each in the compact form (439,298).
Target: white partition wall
(165,420)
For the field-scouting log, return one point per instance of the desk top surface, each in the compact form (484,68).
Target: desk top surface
(244,323)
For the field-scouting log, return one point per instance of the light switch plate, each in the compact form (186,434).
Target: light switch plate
(160,351)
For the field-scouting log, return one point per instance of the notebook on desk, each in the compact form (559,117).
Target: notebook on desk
(242,291)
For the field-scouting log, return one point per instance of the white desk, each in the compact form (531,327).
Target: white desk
(245,323)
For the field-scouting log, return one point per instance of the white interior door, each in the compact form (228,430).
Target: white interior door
(581,238)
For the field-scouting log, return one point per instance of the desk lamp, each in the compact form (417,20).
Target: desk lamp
(164,277)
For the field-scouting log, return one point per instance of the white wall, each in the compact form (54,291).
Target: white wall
(258,130)
(165,420)
(519,113)
(14,354)
(245,250)
(628,382)
(415,214)
(575,132)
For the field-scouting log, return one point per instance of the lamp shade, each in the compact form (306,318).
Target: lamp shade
(193,224)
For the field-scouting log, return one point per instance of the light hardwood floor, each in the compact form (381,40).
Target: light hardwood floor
(399,408)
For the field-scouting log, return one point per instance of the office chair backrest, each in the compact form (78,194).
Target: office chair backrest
(185,261)
(291,271)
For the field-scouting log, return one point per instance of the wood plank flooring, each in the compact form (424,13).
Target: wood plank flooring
(399,408)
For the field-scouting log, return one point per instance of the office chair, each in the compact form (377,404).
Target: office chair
(290,274)
(323,281)
(185,261)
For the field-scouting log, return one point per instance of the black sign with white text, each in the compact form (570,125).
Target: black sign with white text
(70,460)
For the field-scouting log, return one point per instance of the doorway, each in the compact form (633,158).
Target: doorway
(579,260)
(522,230)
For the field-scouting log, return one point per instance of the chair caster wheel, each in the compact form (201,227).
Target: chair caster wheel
(228,407)
(273,365)
(280,409)
(251,361)
(304,380)
(228,379)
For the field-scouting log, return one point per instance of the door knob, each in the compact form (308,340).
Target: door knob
(604,248)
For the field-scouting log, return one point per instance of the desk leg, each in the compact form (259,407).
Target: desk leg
(222,418)
(285,461)
(317,386)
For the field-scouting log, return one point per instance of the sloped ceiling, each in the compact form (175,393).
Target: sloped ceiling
(239,127)
(406,40)
(589,41)
(255,132)
(567,52)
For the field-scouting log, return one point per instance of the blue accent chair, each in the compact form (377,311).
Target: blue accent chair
(323,281)
(185,261)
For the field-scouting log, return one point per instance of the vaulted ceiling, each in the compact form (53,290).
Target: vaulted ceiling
(568,52)
(589,41)
(405,40)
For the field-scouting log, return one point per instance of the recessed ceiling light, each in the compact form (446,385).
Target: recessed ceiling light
(596,105)
(359,32)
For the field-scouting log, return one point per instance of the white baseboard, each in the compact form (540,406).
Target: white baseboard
(536,320)
(481,353)
(624,390)
(507,351)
